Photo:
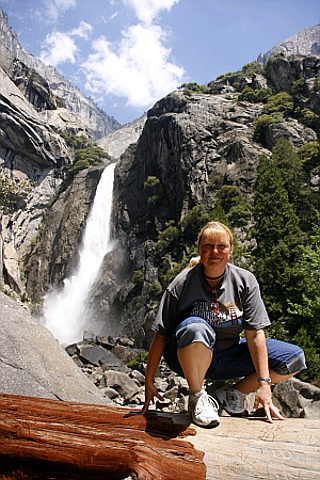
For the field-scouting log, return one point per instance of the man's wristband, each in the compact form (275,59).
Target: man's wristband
(265,379)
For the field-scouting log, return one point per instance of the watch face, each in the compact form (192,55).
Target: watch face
(264,379)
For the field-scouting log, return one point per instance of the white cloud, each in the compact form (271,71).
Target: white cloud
(59,48)
(56,8)
(147,10)
(83,31)
(137,68)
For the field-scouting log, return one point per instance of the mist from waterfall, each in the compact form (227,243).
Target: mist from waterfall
(65,310)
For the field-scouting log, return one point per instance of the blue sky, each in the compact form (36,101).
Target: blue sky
(127,54)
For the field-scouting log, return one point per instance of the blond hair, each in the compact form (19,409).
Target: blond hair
(215,227)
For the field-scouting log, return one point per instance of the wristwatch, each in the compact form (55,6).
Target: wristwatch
(265,379)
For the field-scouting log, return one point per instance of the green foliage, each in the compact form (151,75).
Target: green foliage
(235,205)
(194,220)
(316,85)
(282,102)
(89,156)
(252,68)
(312,353)
(153,190)
(305,307)
(75,141)
(156,288)
(12,192)
(294,176)
(263,122)
(140,358)
(309,154)
(138,278)
(151,182)
(287,252)
(255,96)
(168,237)
(298,87)
(193,87)
(308,118)
(272,60)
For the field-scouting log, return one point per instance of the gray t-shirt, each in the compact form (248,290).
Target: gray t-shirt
(235,305)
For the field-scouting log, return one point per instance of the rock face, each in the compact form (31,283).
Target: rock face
(306,42)
(117,142)
(33,364)
(94,119)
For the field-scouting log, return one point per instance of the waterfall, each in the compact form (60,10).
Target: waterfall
(64,311)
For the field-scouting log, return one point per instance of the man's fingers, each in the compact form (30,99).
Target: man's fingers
(276,412)
(145,407)
(268,413)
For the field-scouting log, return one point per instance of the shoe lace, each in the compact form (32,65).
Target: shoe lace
(206,401)
(235,399)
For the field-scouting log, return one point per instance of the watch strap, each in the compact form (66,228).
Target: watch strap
(264,379)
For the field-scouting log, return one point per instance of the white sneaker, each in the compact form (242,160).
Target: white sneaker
(231,399)
(204,409)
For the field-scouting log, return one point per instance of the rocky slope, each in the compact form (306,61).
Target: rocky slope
(306,42)
(117,142)
(97,122)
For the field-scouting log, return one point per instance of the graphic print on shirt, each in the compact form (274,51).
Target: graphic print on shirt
(217,315)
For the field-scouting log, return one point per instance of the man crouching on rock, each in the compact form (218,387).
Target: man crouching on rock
(197,329)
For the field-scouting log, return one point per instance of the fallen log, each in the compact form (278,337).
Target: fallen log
(95,441)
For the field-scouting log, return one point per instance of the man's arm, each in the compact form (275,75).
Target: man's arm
(258,350)
(154,356)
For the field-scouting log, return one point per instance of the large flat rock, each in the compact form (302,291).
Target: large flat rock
(251,448)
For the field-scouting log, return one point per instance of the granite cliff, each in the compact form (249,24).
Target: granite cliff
(306,42)
(95,120)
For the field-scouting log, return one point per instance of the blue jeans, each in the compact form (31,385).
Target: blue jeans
(284,358)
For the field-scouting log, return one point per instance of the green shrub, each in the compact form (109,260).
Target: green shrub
(156,288)
(251,68)
(151,182)
(12,192)
(316,85)
(279,103)
(75,141)
(309,154)
(167,237)
(263,122)
(141,357)
(309,118)
(298,87)
(193,87)
(255,96)
(138,277)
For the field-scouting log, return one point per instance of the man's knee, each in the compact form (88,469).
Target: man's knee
(195,329)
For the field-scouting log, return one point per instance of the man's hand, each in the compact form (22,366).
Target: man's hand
(150,392)
(264,397)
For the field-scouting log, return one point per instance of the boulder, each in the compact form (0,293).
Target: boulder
(33,364)
(297,399)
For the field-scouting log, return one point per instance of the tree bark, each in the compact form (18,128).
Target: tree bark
(96,441)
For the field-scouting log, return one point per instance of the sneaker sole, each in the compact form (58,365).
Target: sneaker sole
(245,413)
(213,424)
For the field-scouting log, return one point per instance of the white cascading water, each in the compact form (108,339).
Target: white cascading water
(64,311)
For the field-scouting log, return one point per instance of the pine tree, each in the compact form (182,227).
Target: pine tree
(278,242)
